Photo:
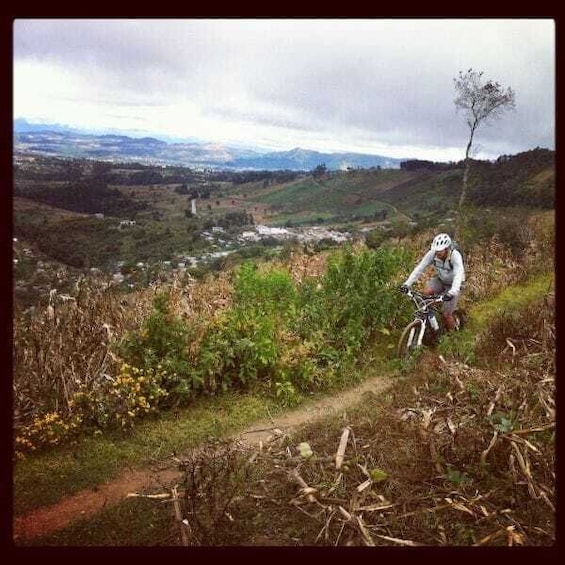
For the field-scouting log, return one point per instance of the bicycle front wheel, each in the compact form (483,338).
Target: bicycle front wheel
(408,342)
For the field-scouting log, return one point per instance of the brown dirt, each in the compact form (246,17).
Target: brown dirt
(44,521)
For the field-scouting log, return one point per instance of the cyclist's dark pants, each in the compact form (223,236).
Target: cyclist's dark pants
(438,287)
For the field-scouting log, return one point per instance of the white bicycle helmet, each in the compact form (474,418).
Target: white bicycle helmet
(440,242)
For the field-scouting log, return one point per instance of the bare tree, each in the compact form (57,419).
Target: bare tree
(479,100)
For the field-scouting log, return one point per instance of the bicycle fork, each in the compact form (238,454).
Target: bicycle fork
(420,335)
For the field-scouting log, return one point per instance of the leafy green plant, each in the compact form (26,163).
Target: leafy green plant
(378,475)
(472,389)
(301,337)
(459,345)
(456,477)
(286,394)
(265,293)
(243,346)
(162,345)
(502,422)
(354,299)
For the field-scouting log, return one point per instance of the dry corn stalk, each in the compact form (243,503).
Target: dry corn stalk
(339,456)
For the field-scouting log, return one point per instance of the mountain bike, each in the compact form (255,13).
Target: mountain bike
(427,325)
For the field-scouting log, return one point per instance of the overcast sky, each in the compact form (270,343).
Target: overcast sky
(379,86)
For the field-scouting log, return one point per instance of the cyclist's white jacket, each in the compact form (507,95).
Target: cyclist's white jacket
(446,274)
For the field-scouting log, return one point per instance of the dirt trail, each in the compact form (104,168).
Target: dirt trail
(157,478)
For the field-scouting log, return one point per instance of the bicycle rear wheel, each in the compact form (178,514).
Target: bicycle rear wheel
(408,342)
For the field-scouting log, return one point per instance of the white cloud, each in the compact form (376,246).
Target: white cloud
(379,86)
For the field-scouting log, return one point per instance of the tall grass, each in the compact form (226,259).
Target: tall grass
(66,355)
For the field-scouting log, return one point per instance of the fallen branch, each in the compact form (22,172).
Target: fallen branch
(345,513)
(524,464)
(446,506)
(485,453)
(341,449)
(490,537)
(375,507)
(461,508)
(273,428)
(326,526)
(184,525)
(158,496)
(306,490)
(534,430)
(406,542)
(496,399)
(545,498)
(364,485)
(365,532)
(510,344)
(523,441)
(513,536)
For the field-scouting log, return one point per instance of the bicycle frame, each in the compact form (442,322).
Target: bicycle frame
(424,312)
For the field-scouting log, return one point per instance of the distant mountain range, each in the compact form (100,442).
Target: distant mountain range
(57,140)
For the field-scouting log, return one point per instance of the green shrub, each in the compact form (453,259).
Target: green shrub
(375,238)
(243,346)
(162,344)
(354,298)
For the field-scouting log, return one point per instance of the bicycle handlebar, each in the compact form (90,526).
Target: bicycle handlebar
(426,298)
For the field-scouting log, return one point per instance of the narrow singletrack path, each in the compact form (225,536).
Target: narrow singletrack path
(156,478)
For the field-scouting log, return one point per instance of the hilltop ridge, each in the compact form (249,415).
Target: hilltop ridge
(54,139)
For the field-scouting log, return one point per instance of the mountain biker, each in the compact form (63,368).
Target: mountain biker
(449,277)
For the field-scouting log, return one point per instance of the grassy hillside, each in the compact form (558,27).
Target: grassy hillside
(337,197)
(436,192)
(526,179)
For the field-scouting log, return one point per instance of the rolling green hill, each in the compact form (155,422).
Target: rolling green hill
(526,179)
(159,199)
